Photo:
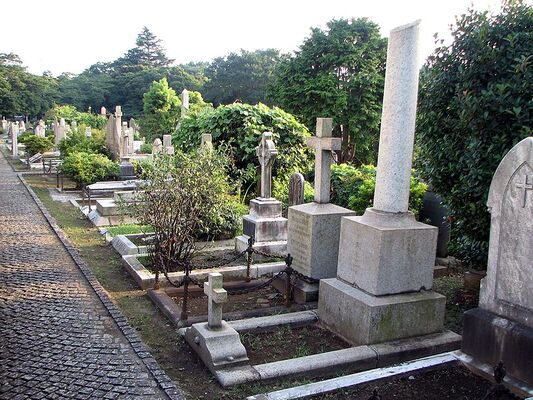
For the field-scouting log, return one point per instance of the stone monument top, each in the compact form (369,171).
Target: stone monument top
(324,144)
(267,153)
(118,111)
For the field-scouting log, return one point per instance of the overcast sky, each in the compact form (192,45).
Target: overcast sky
(70,35)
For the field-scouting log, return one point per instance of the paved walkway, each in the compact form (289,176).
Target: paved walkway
(57,340)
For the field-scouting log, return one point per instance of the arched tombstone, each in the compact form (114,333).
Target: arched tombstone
(502,327)
(296,189)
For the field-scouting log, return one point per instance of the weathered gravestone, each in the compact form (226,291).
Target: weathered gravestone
(216,342)
(385,267)
(157,146)
(501,329)
(184,102)
(167,144)
(296,189)
(207,140)
(103,111)
(314,228)
(88,132)
(265,223)
(4,125)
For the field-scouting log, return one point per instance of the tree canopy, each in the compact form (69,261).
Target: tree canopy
(240,77)
(339,73)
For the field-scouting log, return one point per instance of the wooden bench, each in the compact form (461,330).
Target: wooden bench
(50,165)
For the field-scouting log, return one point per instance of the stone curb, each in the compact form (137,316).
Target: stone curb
(162,379)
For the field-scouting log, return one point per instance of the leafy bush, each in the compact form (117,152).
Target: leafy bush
(240,126)
(353,188)
(475,104)
(78,142)
(146,148)
(36,144)
(70,114)
(86,168)
(184,197)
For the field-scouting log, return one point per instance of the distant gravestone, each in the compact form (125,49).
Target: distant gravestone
(22,127)
(184,102)
(14,131)
(207,140)
(502,327)
(88,132)
(60,131)
(267,153)
(40,129)
(74,127)
(296,189)
(157,146)
(167,140)
(103,111)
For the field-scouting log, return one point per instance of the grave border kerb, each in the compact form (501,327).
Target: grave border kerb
(163,380)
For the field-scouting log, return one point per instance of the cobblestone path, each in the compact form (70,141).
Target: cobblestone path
(57,340)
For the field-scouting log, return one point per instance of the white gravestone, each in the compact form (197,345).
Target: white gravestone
(502,327)
(14,130)
(216,342)
(265,222)
(60,131)
(184,102)
(88,131)
(386,257)
(167,144)
(40,129)
(103,111)
(314,228)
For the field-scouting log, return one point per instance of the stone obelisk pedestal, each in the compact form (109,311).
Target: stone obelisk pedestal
(385,267)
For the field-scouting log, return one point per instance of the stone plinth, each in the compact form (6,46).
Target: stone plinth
(313,238)
(266,225)
(387,253)
(364,319)
(218,348)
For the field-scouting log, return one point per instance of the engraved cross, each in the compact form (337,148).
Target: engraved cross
(525,187)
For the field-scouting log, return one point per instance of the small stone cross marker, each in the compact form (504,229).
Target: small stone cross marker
(324,144)
(217,295)
(525,187)
(266,152)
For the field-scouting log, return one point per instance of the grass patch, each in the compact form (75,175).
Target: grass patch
(128,229)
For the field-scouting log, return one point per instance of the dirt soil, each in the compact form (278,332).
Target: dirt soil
(262,298)
(205,259)
(286,343)
(449,383)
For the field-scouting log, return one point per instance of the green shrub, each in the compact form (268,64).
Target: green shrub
(353,188)
(36,144)
(78,142)
(240,126)
(70,114)
(146,148)
(475,104)
(86,168)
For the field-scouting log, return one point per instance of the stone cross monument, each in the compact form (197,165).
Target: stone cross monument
(267,153)
(216,342)
(265,223)
(313,238)
(324,144)
(216,295)
(386,258)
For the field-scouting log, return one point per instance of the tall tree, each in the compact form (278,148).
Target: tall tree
(148,53)
(240,77)
(161,110)
(339,73)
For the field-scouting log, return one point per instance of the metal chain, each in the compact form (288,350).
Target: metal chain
(233,292)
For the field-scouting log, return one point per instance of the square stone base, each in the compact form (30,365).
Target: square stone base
(387,253)
(302,292)
(361,318)
(273,247)
(313,238)
(218,348)
(490,338)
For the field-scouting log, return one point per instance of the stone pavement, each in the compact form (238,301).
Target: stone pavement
(57,339)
